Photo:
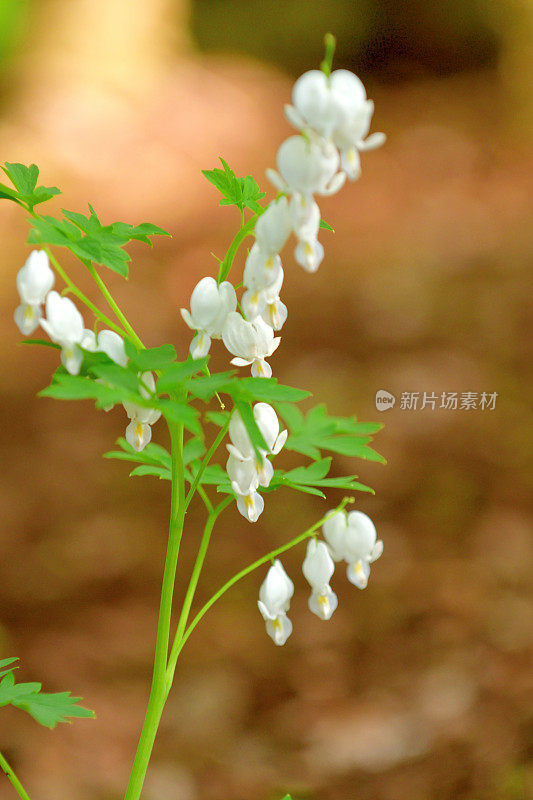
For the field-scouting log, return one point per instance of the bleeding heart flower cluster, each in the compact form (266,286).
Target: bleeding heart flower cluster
(65,326)
(350,537)
(247,470)
(333,115)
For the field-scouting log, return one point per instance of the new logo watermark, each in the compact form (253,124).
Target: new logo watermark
(449,401)
(384,400)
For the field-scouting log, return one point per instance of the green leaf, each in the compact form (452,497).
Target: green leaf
(240,192)
(315,471)
(181,413)
(151,357)
(8,194)
(149,469)
(218,418)
(267,390)
(91,241)
(118,377)
(213,475)
(324,224)
(24,179)
(192,450)
(175,376)
(43,342)
(152,454)
(49,709)
(318,431)
(5,663)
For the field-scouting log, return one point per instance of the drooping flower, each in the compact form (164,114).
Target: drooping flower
(273,227)
(261,269)
(250,343)
(210,306)
(275,312)
(336,108)
(241,446)
(274,602)
(318,568)
(64,325)
(352,537)
(34,281)
(139,431)
(266,303)
(308,165)
(247,470)
(112,344)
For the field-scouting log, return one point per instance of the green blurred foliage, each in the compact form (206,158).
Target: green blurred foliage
(394,38)
(13,14)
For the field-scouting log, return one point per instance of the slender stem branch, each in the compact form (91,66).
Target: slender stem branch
(71,286)
(158,690)
(178,646)
(245,231)
(112,303)
(207,458)
(8,771)
(193,583)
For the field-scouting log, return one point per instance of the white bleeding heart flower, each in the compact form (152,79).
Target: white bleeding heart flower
(309,254)
(266,303)
(307,166)
(336,108)
(250,343)
(268,423)
(139,433)
(34,281)
(210,306)
(262,269)
(274,600)
(352,537)
(64,325)
(305,216)
(273,227)
(318,568)
(112,344)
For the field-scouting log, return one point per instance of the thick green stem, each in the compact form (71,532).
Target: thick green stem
(112,304)
(178,644)
(193,583)
(8,771)
(158,693)
(225,266)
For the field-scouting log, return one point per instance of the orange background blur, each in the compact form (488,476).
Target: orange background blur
(420,687)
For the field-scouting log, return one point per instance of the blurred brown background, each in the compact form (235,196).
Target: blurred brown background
(420,688)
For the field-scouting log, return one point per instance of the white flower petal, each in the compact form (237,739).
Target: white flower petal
(318,566)
(27,318)
(138,434)
(200,345)
(323,602)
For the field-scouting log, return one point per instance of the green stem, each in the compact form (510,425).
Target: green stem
(112,304)
(193,583)
(73,289)
(8,771)
(178,645)
(158,693)
(330,44)
(246,230)
(207,458)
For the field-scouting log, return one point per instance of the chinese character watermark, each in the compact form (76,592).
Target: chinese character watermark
(449,401)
